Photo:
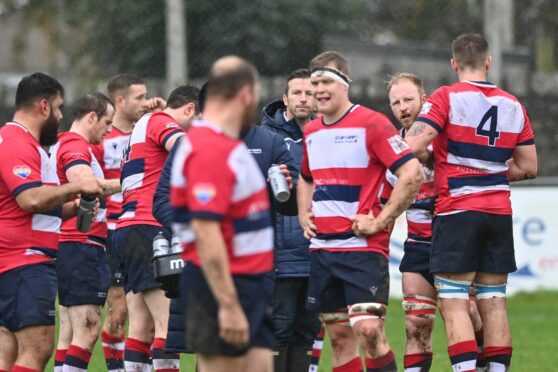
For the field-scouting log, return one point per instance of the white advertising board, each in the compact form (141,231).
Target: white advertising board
(535,223)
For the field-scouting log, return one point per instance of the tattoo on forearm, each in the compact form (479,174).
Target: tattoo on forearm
(416,129)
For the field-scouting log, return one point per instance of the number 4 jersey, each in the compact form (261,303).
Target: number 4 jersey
(478,125)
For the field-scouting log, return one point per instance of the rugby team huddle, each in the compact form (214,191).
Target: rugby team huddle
(193,170)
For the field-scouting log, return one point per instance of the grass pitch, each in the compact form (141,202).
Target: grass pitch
(534,325)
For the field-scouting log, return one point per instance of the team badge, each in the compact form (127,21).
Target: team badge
(170,124)
(204,192)
(22,171)
(398,144)
(425,108)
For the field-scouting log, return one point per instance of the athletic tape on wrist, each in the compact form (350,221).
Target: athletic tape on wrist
(486,292)
(452,288)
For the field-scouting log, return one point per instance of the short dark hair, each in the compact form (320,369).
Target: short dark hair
(95,102)
(119,84)
(470,51)
(183,95)
(227,83)
(36,86)
(330,56)
(301,73)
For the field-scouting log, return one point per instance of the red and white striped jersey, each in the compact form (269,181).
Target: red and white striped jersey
(71,150)
(479,126)
(214,177)
(143,162)
(347,162)
(25,238)
(110,154)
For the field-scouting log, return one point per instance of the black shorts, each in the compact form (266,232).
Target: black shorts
(83,274)
(417,260)
(133,245)
(472,242)
(340,279)
(27,296)
(202,327)
(115,265)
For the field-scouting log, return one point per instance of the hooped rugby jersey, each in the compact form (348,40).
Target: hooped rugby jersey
(25,238)
(143,162)
(478,125)
(347,162)
(71,150)
(110,154)
(214,177)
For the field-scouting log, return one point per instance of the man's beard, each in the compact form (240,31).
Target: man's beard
(49,131)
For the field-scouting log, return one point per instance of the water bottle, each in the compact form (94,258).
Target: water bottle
(85,213)
(160,245)
(279,184)
(176,247)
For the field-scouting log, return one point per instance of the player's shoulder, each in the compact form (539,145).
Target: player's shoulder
(371,118)
(313,126)
(209,140)
(73,140)
(162,119)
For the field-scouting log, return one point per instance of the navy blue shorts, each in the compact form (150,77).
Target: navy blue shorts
(27,296)
(202,327)
(134,247)
(83,274)
(340,279)
(417,260)
(472,242)
(115,265)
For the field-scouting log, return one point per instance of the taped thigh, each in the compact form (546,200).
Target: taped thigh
(458,289)
(421,306)
(487,292)
(368,310)
(340,317)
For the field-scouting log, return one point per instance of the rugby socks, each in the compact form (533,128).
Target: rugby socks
(354,365)
(317,350)
(59,357)
(113,349)
(481,360)
(419,362)
(463,356)
(77,359)
(385,363)
(16,368)
(498,358)
(163,361)
(136,355)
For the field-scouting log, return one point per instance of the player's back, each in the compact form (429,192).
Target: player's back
(479,126)
(143,162)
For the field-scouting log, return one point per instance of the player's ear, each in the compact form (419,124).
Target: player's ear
(285,101)
(91,117)
(454,65)
(488,63)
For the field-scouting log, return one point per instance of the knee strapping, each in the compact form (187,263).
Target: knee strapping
(419,306)
(369,310)
(485,292)
(338,317)
(452,288)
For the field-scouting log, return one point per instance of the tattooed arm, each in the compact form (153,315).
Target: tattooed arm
(419,136)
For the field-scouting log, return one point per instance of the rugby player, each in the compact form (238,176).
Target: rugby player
(482,140)
(345,156)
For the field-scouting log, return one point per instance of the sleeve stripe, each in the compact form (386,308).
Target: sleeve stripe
(168,136)
(527,142)
(204,215)
(76,162)
(433,124)
(399,162)
(21,188)
(306,177)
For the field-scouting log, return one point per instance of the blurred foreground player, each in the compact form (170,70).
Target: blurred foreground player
(152,137)
(345,156)
(31,213)
(482,140)
(222,214)
(81,267)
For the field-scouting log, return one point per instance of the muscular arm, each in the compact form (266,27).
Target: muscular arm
(46,198)
(110,187)
(419,136)
(304,194)
(523,164)
(170,142)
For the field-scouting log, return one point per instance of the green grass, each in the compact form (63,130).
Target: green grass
(533,319)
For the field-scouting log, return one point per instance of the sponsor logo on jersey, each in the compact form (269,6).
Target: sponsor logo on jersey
(398,144)
(425,108)
(22,171)
(204,192)
(346,139)
(170,124)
